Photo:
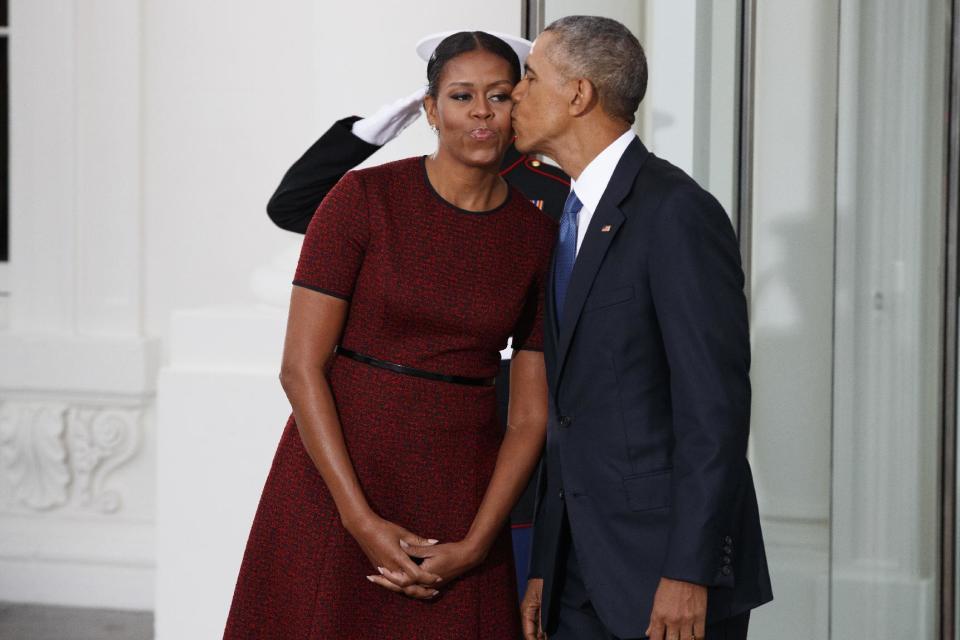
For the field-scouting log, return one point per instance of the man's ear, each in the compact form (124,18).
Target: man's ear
(585,97)
(430,107)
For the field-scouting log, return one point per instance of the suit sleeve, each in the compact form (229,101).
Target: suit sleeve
(697,283)
(311,178)
(538,545)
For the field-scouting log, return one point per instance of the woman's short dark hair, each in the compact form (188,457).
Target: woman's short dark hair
(463,42)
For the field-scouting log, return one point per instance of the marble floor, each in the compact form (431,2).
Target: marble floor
(41,622)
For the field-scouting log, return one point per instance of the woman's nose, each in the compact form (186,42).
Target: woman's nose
(482,109)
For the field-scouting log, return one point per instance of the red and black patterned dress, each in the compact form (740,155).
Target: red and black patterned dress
(433,287)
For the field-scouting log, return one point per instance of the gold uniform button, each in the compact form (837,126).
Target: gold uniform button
(535,163)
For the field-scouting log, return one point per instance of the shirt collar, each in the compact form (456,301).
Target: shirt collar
(596,175)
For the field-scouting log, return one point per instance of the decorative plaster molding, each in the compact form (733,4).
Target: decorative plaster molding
(52,454)
(33,454)
(100,441)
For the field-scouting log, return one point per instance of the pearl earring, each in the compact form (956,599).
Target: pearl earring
(435,129)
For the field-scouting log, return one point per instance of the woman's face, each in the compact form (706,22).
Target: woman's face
(472,108)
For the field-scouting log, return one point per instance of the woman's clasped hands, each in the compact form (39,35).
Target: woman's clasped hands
(392,550)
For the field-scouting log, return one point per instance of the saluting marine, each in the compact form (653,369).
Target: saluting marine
(352,140)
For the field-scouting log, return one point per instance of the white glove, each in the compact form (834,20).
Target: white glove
(390,119)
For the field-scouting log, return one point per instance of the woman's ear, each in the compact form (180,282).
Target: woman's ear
(430,107)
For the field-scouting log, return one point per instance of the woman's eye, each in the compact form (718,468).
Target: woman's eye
(501,97)
(461,96)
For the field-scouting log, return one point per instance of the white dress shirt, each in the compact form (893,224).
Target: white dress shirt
(594,179)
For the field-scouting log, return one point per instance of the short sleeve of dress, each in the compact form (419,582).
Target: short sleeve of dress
(528,331)
(336,240)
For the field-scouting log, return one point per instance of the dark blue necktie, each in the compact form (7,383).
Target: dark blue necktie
(566,249)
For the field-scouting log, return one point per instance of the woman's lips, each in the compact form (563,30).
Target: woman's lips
(483,134)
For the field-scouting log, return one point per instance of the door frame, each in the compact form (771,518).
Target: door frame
(947,575)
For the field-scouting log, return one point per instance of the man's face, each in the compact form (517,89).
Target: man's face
(541,100)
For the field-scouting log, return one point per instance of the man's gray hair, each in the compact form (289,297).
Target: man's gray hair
(607,54)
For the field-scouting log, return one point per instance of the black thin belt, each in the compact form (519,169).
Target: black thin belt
(410,371)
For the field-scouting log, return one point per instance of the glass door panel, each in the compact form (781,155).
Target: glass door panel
(888,334)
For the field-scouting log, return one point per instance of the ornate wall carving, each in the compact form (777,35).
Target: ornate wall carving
(54,455)
(33,454)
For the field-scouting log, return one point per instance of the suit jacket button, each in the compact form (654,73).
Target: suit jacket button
(561,494)
(726,560)
(727,549)
(564,421)
(727,540)
(726,570)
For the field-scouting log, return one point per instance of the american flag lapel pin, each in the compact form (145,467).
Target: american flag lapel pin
(605,228)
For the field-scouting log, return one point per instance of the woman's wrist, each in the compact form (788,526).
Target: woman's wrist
(477,547)
(357,519)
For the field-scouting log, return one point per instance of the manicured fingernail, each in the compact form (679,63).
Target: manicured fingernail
(404,545)
(438,581)
(370,578)
(434,594)
(381,570)
(432,541)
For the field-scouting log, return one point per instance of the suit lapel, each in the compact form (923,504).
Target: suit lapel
(594,248)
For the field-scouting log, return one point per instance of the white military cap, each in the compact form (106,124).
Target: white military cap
(427,44)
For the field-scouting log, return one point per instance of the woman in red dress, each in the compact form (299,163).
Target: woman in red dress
(385,511)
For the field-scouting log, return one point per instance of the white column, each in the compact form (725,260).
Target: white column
(43,104)
(109,273)
(221,412)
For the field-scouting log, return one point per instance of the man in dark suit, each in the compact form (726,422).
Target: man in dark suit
(646,519)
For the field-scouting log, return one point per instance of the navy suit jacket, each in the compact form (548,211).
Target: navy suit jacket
(650,406)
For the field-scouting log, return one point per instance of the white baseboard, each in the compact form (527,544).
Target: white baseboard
(72,562)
